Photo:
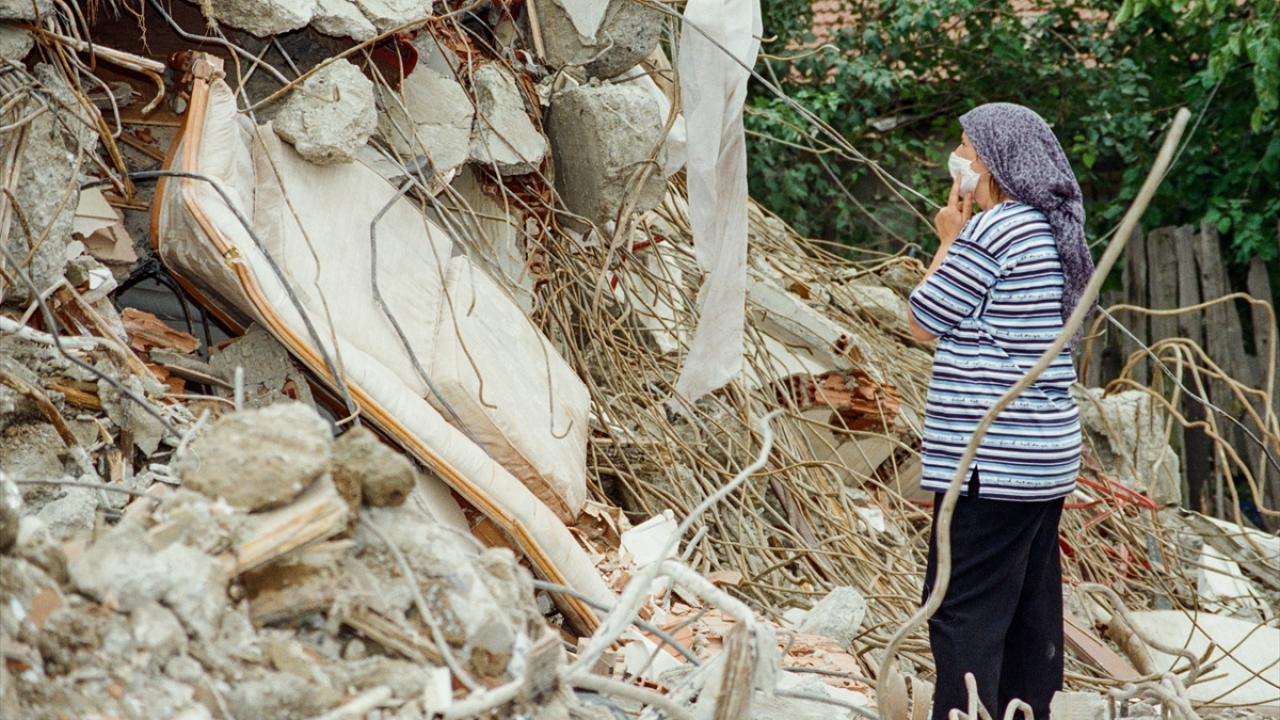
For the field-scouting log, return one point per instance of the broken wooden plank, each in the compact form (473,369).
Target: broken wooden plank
(1162,281)
(304,582)
(390,634)
(317,514)
(1135,293)
(1091,648)
(148,332)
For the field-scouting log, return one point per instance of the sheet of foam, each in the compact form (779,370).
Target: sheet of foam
(521,400)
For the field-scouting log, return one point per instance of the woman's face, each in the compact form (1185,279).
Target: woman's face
(967,152)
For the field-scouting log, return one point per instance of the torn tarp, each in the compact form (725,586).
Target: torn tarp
(713,86)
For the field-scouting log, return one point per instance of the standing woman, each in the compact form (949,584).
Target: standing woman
(996,295)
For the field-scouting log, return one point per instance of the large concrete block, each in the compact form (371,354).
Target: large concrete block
(504,135)
(262,17)
(431,115)
(330,116)
(601,135)
(627,33)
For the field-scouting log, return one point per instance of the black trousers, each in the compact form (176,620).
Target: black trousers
(1001,618)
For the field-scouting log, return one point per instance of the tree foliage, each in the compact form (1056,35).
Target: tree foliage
(1108,75)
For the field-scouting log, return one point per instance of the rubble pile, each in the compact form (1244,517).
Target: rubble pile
(338,346)
(197,604)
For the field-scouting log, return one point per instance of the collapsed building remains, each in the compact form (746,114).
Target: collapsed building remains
(339,342)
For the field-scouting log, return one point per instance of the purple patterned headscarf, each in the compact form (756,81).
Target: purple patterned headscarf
(1029,164)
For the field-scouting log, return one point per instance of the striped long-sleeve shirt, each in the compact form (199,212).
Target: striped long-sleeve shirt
(995,304)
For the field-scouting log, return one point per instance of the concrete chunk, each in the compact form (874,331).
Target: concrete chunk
(46,186)
(331,116)
(1078,706)
(14,43)
(342,18)
(122,569)
(627,34)
(837,616)
(262,17)
(503,134)
(269,374)
(258,459)
(387,14)
(384,476)
(1128,436)
(600,137)
(431,115)
(24,9)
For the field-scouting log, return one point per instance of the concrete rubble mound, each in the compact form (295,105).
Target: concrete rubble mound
(338,358)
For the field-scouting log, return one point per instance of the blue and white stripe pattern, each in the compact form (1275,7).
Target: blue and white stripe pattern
(995,304)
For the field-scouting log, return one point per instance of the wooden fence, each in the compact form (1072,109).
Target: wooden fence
(1180,267)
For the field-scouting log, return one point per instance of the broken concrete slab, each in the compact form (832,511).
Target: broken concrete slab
(10,512)
(46,187)
(388,14)
(330,116)
(385,477)
(270,376)
(431,115)
(15,43)
(1127,433)
(25,9)
(262,17)
(1079,706)
(837,616)
(1242,654)
(123,570)
(473,620)
(342,18)
(258,459)
(33,452)
(503,135)
(881,303)
(601,137)
(626,34)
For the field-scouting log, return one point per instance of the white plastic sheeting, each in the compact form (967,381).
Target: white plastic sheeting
(713,87)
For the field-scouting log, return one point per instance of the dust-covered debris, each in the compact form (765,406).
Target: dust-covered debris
(628,33)
(431,115)
(331,116)
(184,540)
(15,43)
(258,459)
(262,17)
(607,143)
(503,135)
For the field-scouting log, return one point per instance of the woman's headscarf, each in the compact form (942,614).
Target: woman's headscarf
(1029,164)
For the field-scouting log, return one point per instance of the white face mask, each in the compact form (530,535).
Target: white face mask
(962,169)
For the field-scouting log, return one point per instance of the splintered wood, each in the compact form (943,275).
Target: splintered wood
(857,402)
(148,332)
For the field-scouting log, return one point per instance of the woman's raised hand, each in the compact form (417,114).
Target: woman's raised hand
(953,216)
